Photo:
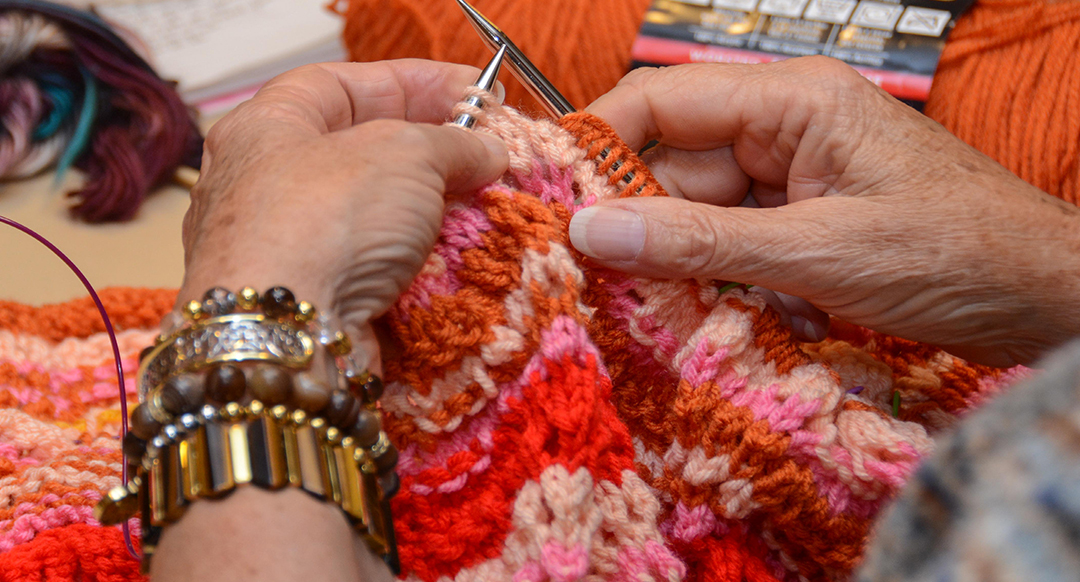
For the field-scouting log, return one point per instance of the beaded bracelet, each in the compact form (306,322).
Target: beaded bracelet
(229,398)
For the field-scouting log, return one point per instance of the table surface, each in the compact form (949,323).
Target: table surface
(145,252)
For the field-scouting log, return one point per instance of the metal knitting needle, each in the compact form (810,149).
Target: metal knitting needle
(485,81)
(520,66)
(529,75)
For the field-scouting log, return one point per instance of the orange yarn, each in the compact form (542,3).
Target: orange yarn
(1009,84)
(584,47)
(128,308)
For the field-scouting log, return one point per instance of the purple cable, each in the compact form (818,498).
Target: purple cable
(116,354)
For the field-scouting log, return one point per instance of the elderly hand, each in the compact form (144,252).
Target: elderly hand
(330,181)
(804,178)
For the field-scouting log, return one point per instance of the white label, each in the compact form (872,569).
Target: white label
(924,21)
(877,15)
(788,8)
(747,5)
(834,11)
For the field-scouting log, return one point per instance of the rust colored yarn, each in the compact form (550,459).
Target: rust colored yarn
(583,47)
(1009,84)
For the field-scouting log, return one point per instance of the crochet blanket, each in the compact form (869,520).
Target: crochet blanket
(557,421)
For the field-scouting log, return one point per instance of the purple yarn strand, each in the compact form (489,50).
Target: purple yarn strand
(115,348)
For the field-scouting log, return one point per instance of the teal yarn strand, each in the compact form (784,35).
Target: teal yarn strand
(80,139)
(61,97)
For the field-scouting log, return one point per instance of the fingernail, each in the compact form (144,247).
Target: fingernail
(500,92)
(807,330)
(495,146)
(608,234)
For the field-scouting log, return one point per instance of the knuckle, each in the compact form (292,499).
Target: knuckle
(694,243)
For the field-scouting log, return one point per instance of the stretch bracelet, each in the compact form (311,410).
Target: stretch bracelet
(231,394)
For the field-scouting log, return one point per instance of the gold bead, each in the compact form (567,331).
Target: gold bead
(299,417)
(193,310)
(119,504)
(280,412)
(256,408)
(341,346)
(333,436)
(232,411)
(305,312)
(247,299)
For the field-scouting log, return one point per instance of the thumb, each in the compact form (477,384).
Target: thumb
(465,159)
(670,238)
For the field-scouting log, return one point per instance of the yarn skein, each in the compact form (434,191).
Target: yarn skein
(73,93)
(1008,82)
(584,47)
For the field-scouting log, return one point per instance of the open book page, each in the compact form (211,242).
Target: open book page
(207,43)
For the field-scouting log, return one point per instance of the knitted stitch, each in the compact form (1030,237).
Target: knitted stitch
(557,421)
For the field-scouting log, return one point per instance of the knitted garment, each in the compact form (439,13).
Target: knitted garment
(557,421)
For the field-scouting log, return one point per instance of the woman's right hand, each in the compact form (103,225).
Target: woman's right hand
(860,205)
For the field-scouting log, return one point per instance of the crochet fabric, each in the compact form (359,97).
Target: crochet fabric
(557,421)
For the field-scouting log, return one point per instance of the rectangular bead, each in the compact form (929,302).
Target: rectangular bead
(373,511)
(311,462)
(219,459)
(238,450)
(194,458)
(292,455)
(157,492)
(269,466)
(352,497)
(331,479)
(175,502)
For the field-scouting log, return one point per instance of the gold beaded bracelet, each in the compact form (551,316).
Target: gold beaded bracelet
(198,432)
(209,454)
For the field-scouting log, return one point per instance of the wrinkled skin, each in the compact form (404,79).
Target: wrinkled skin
(806,179)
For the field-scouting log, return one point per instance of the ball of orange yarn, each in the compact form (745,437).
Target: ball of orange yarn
(582,46)
(1009,84)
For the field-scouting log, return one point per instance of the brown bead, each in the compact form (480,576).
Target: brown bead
(390,483)
(278,302)
(374,388)
(270,384)
(365,430)
(219,301)
(143,424)
(342,409)
(133,447)
(310,394)
(182,394)
(145,352)
(387,460)
(225,383)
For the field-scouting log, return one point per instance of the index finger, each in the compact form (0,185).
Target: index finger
(334,96)
(765,112)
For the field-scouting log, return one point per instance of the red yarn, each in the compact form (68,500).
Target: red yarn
(76,553)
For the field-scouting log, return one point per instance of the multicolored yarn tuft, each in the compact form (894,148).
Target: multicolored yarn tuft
(73,93)
(557,421)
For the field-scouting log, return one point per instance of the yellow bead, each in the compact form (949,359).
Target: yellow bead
(193,310)
(341,346)
(247,299)
(305,312)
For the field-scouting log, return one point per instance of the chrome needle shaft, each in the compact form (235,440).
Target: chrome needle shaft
(523,69)
(485,81)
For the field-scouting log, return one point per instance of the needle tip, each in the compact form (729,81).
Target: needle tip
(490,74)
